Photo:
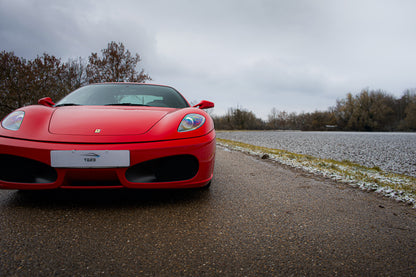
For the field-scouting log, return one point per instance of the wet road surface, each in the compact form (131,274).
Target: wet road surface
(257,219)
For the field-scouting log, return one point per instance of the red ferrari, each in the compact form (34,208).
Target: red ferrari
(111,135)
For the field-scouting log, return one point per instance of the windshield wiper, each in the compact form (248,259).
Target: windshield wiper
(67,104)
(127,104)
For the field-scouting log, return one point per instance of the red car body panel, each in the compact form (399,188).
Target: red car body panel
(113,121)
(41,124)
(150,134)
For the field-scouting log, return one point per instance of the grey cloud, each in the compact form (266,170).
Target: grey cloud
(292,55)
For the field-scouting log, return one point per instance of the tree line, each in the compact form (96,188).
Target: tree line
(23,82)
(369,110)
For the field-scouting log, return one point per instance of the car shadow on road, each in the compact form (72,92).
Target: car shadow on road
(117,198)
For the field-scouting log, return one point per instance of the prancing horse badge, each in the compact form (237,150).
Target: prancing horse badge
(97,131)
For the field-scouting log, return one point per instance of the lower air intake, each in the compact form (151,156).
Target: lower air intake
(17,169)
(167,169)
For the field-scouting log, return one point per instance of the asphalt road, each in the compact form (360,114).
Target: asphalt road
(257,219)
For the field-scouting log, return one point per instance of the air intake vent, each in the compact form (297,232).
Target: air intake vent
(168,169)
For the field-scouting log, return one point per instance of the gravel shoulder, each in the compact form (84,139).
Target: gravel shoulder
(258,219)
(392,152)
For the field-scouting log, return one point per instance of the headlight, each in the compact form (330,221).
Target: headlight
(191,122)
(13,121)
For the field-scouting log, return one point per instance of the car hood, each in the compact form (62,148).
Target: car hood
(108,121)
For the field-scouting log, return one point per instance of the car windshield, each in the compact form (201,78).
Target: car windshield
(125,95)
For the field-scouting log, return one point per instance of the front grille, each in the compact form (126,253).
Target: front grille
(17,169)
(167,169)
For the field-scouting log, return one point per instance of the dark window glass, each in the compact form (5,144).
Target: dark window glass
(125,94)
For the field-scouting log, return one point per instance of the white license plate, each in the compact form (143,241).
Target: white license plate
(90,159)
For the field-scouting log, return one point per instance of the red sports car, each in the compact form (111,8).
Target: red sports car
(110,135)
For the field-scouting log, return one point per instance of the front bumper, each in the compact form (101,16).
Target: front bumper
(173,158)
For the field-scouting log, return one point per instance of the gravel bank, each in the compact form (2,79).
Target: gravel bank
(392,152)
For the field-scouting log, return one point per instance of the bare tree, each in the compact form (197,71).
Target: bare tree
(116,64)
(15,82)
(23,82)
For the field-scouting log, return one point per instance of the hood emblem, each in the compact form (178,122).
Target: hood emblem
(97,131)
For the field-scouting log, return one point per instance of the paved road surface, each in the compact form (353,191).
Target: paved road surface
(257,219)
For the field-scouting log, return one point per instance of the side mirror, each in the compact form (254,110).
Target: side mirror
(205,105)
(47,101)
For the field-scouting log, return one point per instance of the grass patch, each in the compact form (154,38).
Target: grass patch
(397,186)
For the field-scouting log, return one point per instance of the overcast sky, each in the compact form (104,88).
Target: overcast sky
(294,55)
